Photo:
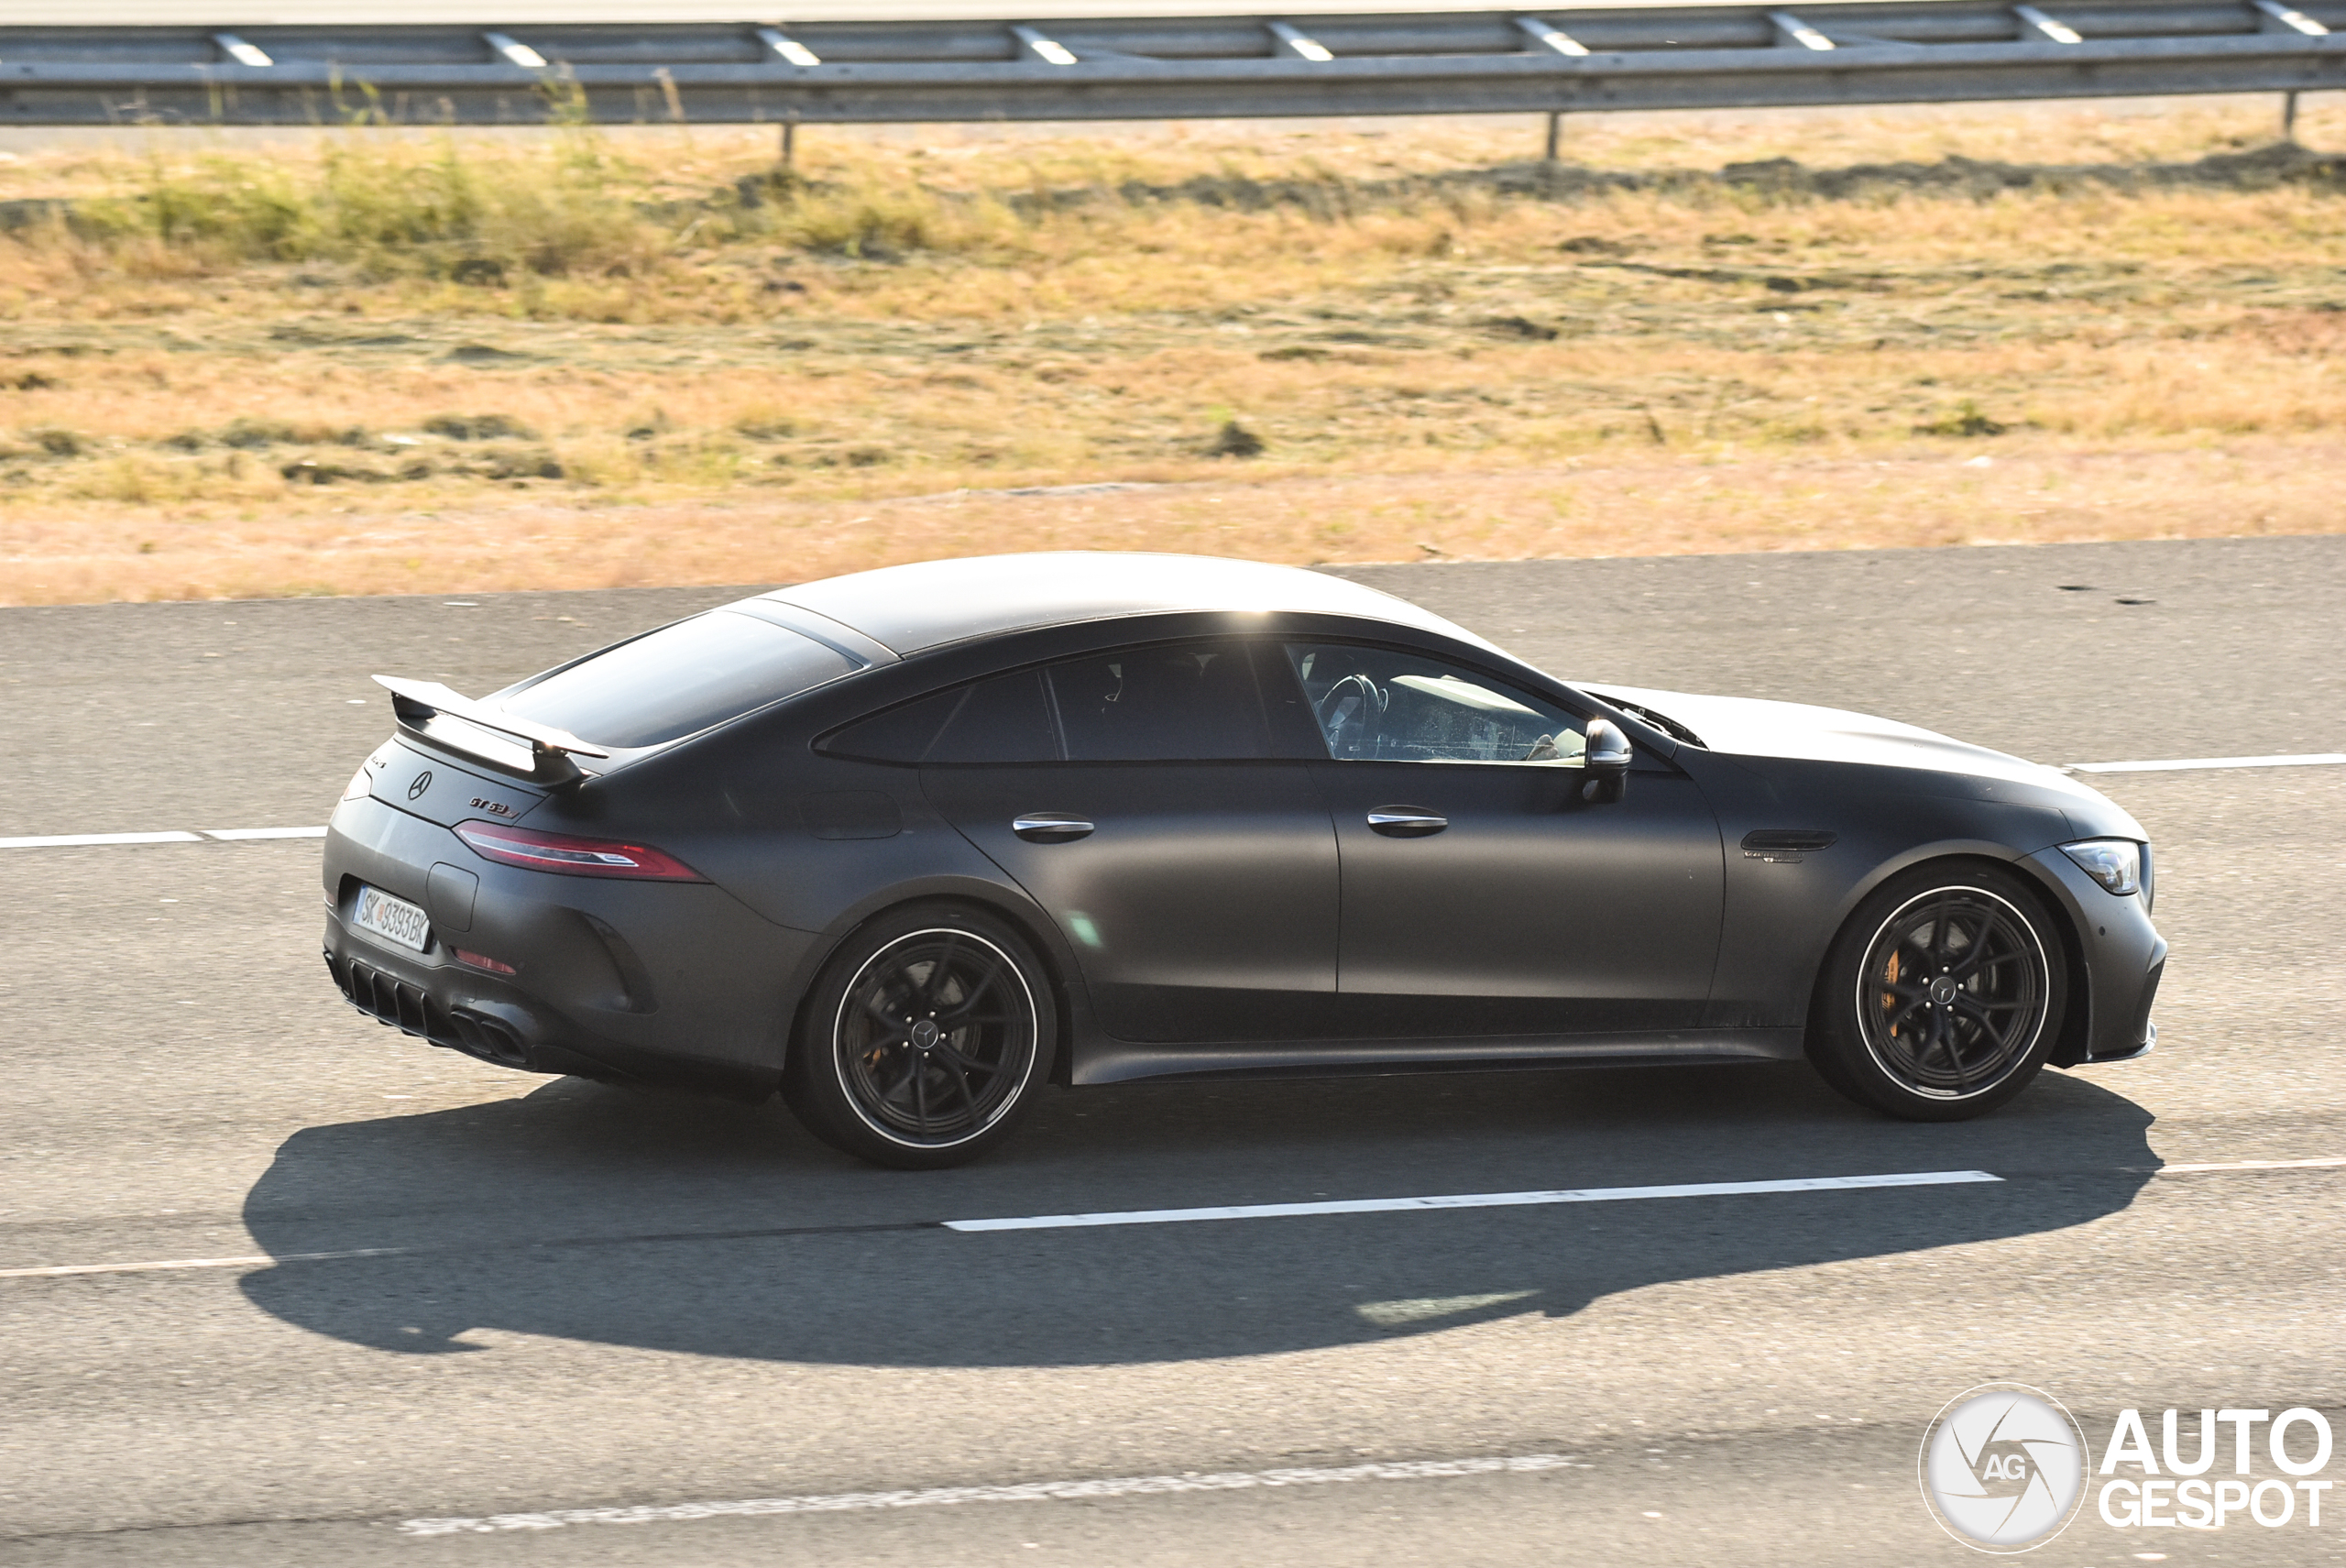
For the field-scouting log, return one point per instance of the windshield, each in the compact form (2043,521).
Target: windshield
(680,679)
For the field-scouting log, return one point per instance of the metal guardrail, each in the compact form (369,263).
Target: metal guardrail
(1868,51)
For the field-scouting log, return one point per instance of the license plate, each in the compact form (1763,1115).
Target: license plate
(393,919)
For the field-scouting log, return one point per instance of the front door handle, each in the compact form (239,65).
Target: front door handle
(1405,821)
(1049,827)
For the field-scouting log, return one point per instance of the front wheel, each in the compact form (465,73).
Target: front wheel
(1942,996)
(926,1037)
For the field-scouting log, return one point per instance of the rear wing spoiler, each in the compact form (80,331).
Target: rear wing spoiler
(538,752)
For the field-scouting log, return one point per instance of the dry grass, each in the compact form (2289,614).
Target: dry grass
(419,365)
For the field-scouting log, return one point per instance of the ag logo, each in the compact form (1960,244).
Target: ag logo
(2003,1467)
(422,782)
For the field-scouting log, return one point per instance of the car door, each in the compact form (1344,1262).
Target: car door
(1482,894)
(1133,793)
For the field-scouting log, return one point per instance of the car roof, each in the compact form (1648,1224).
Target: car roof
(930,603)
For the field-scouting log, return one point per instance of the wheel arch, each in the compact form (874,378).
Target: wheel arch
(1067,999)
(2069,1047)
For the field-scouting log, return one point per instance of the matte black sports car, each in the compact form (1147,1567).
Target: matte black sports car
(910,843)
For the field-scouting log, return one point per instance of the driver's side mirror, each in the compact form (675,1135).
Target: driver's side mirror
(1606,763)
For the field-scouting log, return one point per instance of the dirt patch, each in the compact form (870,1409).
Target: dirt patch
(1658,505)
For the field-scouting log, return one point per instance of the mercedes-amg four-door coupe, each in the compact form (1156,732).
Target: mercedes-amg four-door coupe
(910,844)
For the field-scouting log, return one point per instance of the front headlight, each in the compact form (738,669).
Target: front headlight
(2116,863)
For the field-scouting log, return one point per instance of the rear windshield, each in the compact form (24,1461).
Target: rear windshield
(677,680)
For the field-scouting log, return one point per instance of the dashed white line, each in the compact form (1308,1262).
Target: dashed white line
(1026,1492)
(1473,1201)
(65,841)
(1175,1216)
(169,1265)
(2186,764)
(1064,1221)
(234,835)
(174,836)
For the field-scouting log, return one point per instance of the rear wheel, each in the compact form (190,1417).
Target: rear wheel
(927,1034)
(1942,996)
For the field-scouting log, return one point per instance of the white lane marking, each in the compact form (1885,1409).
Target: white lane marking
(67,840)
(234,834)
(1473,1201)
(256,1260)
(2183,764)
(1425,1309)
(1026,1492)
(1265,1211)
(1141,1217)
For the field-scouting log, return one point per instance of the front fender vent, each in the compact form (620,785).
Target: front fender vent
(1785,843)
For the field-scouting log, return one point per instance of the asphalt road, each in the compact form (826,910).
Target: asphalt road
(586,1298)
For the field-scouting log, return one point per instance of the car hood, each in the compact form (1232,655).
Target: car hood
(1749,727)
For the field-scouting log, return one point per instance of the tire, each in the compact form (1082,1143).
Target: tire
(1941,998)
(925,1038)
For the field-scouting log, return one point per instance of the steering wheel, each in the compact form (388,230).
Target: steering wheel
(1348,712)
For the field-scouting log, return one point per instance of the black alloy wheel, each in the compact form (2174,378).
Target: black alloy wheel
(924,1040)
(1941,997)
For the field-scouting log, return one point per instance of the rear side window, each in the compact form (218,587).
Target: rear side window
(680,679)
(1002,720)
(1194,702)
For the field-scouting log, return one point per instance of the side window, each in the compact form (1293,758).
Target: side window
(1375,704)
(1001,720)
(898,735)
(1187,702)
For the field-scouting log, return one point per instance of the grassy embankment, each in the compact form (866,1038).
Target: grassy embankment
(382,365)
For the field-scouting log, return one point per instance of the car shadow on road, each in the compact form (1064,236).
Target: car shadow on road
(666,1222)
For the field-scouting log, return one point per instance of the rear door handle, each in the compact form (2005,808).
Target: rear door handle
(1049,827)
(1405,821)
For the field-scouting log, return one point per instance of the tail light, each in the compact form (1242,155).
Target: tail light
(568,856)
(362,782)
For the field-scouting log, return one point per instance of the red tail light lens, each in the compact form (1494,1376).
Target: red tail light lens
(568,856)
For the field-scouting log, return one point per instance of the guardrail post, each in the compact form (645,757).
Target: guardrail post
(2289,116)
(1555,133)
(790,143)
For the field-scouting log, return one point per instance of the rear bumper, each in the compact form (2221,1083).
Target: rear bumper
(478,1027)
(672,983)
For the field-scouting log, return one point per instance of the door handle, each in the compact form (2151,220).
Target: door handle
(1405,821)
(1049,827)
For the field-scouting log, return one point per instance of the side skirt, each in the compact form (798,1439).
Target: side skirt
(1104,1060)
